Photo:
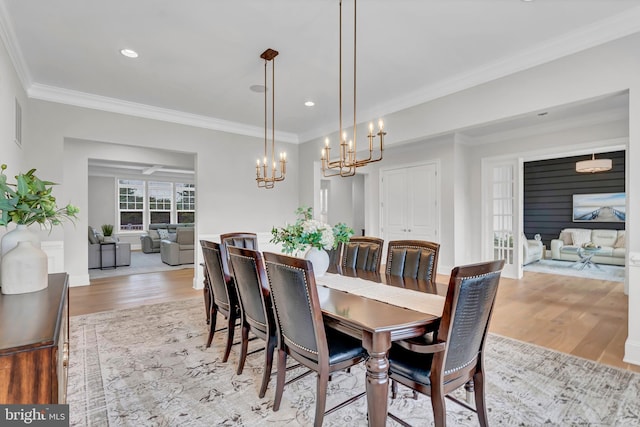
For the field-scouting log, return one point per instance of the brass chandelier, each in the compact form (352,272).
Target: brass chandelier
(347,163)
(268,175)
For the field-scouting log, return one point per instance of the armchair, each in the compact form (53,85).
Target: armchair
(181,251)
(532,250)
(105,256)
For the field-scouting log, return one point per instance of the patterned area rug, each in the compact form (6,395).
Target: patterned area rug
(613,273)
(148,367)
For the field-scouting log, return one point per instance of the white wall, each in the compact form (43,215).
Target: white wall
(101,201)
(10,90)
(227,196)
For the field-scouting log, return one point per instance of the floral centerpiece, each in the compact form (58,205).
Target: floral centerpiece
(30,201)
(307,232)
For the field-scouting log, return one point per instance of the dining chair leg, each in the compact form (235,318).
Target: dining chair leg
(438,404)
(321,398)
(244,343)
(394,389)
(212,325)
(268,365)
(481,407)
(230,332)
(282,370)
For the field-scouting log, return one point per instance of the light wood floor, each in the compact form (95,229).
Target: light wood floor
(586,318)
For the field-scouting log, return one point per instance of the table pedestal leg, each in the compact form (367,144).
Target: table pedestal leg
(377,345)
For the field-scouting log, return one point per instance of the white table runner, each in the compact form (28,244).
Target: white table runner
(401,297)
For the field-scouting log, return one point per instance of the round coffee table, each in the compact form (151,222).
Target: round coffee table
(585,255)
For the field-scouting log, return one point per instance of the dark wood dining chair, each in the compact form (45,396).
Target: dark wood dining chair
(239,240)
(417,259)
(363,253)
(224,299)
(455,357)
(301,332)
(255,306)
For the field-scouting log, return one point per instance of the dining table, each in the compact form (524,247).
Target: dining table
(378,309)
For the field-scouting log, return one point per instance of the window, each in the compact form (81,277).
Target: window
(185,202)
(131,204)
(151,202)
(160,202)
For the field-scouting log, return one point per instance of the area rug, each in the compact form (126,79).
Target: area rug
(613,273)
(140,263)
(148,366)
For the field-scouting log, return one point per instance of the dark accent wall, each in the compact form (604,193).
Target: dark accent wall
(549,186)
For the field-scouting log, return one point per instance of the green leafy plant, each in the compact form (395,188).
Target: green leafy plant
(307,231)
(107,229)
(30,201)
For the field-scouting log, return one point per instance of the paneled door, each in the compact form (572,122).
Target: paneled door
(502,241)
(410,201)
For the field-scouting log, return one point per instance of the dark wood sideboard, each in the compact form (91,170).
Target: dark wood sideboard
(34,344)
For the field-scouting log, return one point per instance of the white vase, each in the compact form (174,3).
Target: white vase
(19,234)
(24,269)
(320,260)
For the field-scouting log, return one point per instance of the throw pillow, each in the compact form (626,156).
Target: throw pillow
(163,233)
(580,237)
(100,237)
(172,237)
(620,243)
(566,238)
(92,236)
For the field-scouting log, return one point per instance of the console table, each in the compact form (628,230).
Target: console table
(34,345)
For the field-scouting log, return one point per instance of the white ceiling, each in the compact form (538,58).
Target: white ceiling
(198,58)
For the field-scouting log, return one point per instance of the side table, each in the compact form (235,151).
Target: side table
(585,255)
(115,255)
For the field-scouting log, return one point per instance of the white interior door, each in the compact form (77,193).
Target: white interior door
(410,201)
(394,205)
(502,218)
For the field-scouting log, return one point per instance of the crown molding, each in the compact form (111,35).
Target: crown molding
(97,102)
(598,33)
(9,39)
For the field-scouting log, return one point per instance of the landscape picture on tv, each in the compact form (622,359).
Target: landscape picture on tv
(602,207)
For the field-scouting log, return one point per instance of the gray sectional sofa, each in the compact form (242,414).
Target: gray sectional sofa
(150,242)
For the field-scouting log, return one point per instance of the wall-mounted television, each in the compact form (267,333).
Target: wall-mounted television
(600,207)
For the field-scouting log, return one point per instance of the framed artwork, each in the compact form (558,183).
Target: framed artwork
(602,207)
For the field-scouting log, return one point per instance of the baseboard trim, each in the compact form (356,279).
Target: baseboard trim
(632,352)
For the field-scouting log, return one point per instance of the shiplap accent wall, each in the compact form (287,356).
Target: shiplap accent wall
(549,186)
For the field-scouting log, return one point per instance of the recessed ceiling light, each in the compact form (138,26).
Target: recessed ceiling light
(257,88)
(309,103)
(129,53)
(527,1)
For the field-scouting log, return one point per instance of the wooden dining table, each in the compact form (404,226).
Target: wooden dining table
(377,323)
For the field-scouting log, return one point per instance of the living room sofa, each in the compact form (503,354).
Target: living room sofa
(180,251)
(611,245)
(150,242)
(117,254)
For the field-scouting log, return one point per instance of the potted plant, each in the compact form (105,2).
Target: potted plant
(27,201)
(312,236)
(107,232)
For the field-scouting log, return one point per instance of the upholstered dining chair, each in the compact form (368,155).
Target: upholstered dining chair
(417,259)
(363,253)
(238,240)
(455,356)
(224,299)
(255,306)
(301,332)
